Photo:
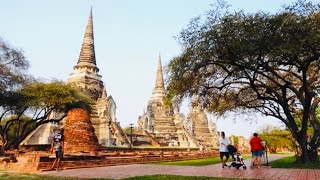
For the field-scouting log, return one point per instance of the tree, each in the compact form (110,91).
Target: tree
(277,138)
(260,62)
(13,66)
(29,107)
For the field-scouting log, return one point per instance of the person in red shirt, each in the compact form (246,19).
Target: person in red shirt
(256,149)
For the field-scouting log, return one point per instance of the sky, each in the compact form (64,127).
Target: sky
(129,36)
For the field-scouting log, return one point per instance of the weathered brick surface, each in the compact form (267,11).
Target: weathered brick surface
(122,157)
(35,161)
(79,132)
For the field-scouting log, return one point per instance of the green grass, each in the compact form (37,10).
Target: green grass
(174,177)
(15,176)
(198,162)
(290,162)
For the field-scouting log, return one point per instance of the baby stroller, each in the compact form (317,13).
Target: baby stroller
(237,160)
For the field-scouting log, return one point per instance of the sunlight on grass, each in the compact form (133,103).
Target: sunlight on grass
(197,162)
(290,162)
(16,176)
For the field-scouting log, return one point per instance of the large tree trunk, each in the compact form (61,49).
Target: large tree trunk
(302,141)
(309,152)
(313,154)
(304,158)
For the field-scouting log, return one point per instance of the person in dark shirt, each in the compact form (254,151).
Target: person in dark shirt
(57,144)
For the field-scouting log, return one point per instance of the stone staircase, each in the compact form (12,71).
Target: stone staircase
(191,139)
(120,135)
(153,141)
(164,124)
(203,134)
(185,138)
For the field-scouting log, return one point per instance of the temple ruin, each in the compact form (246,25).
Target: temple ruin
(86,78)
(165,125)
(160,124)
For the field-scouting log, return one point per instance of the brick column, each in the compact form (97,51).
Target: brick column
(79,132)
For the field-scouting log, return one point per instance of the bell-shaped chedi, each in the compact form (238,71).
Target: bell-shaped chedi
(79,132)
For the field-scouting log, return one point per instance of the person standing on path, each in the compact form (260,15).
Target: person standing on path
(224,142)
(257,150)
(57,144)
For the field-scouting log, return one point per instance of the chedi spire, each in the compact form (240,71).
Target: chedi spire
(159,86)
(159,90)
(87,53)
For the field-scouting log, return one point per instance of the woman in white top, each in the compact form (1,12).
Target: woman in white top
(224,142)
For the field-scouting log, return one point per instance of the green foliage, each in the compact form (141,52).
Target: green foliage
(13,65)
(290,162)
(27,108)
(127,130)
(16,129)
(235,139)
(54,94)
(277,138)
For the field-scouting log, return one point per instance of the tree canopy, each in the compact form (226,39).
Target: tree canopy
(277,139)
(31,106)
(263,62)
(13,66)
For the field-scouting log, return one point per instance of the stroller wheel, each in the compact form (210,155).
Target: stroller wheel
(244,167)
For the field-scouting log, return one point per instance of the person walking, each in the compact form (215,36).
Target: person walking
(57,144)
(224,142)
(257,150)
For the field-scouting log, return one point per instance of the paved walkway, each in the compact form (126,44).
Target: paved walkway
(125,171)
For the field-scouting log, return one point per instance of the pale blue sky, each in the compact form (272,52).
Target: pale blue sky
(129,35)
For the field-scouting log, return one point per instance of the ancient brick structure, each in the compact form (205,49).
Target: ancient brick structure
(79,132)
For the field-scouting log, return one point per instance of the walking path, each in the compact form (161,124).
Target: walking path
(125,171)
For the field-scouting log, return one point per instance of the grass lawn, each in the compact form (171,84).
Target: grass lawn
(290,162)
(9,176)
(14,176)
(198,162)
(173,177)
